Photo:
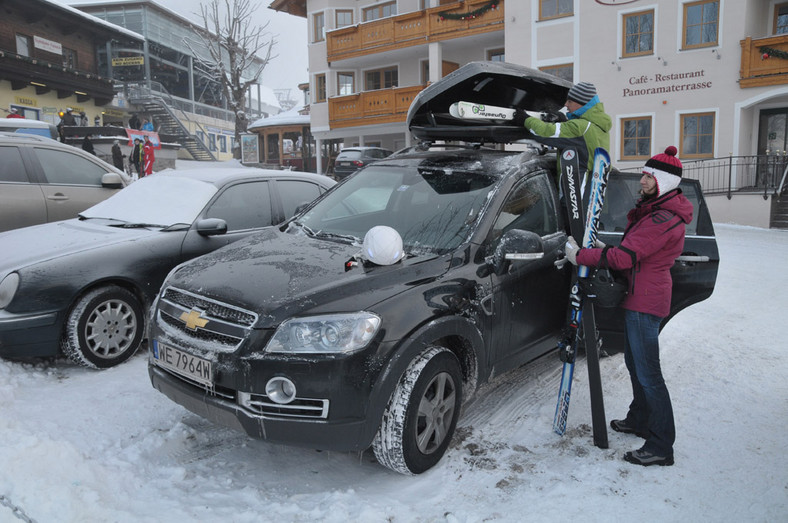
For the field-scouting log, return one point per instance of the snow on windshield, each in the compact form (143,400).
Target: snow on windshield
(160,200)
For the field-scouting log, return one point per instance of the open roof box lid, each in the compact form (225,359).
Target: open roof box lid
(490,83)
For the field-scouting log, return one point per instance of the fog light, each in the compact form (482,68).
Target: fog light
(280,390)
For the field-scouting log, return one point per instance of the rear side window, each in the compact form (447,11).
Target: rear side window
(295,193)
(11,167)
(624,191)
(243,206)
(64,168)
(528,207)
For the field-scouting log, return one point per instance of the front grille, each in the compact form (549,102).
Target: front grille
(260,405)
(220,326)
(215,309)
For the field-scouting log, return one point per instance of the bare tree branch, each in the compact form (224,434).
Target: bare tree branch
(233,51)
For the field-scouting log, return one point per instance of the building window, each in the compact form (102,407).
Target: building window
(344,17)
(380,11)
(69,58)
(24,45)
(496,55)
(636,138)
(701,22)
(222,144)
(638,34)
(555,9)
(380,79)
(320,88)
(212,142)
(563,71)
(697,135)
(318,27)
(345,84)
(781,19)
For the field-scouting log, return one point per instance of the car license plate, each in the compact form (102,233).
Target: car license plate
(183,363)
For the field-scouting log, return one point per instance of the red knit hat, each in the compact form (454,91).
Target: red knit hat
(666,170)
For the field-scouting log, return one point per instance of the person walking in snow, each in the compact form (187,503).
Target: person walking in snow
(586,128)
(148,156)
(117,155)
(136,159)
(652,241)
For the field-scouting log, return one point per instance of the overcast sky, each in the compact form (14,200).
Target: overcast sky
(289,68)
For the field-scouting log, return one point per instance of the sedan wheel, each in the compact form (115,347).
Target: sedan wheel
(104,328)
(419,421)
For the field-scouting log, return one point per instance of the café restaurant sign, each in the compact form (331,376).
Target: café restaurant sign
(660,83)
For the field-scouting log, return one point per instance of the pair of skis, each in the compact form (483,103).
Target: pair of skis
(583,226)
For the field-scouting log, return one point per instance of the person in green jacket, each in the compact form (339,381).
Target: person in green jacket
(586,128)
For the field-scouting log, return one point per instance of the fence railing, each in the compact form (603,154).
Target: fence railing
(737,174)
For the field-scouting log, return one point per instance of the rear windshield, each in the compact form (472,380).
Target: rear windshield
(349,155)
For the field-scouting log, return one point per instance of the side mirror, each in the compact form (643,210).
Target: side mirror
(514,245)
(111,181)
(211,227)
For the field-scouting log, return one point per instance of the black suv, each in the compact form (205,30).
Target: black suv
(351,159)
(294,336)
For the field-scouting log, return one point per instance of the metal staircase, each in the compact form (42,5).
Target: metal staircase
(168,123)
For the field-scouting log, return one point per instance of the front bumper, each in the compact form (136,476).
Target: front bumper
(29,335)
(343,435)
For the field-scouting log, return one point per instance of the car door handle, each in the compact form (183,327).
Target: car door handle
(560,262)
(692,258)
(57,196)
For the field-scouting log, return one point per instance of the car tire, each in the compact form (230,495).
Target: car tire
(104,328)
(421,416)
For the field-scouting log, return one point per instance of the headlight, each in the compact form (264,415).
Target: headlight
(8,288)
(331,334)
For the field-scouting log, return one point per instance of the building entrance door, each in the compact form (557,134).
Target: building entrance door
(772,145)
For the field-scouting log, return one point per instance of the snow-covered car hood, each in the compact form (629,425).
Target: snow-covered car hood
(40,243)
(281,275)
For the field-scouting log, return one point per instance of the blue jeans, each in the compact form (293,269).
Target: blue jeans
(651,410)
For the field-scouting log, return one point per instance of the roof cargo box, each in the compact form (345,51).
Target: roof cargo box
(497,84)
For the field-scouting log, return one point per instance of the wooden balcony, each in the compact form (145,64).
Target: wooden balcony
(382,106)
(764,61)
(411,29)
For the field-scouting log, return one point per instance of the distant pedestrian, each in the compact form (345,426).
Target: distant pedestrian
(87,144)
(97,121)
(13,113)
(136,158)
(147,125)
(148,156)
(117,155)
(83,119)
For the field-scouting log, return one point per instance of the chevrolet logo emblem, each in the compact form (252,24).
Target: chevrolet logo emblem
(193,320)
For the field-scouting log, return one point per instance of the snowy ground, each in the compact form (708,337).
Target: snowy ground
(84,446)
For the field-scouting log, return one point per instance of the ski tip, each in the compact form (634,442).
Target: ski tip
(454,110)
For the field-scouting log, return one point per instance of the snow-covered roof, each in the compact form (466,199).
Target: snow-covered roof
(93,19)
(290,117)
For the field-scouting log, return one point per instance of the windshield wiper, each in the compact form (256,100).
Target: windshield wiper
(348,237)
(138,226)
(304,227)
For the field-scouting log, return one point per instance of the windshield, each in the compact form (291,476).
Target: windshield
(434,208)
(159,200)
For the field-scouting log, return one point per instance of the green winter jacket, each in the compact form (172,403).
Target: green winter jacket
(586,129)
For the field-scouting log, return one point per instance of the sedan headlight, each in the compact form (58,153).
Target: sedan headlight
(329,334)
(8,288)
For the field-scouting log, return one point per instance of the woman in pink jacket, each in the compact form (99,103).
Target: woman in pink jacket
(654,238)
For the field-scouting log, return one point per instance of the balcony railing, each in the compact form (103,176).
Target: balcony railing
(737,174)
(371,107)
(764,61)
(414,28)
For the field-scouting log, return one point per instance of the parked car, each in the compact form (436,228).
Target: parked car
(27,126)
(43,180)
(351,159)
(306,335)
(83,286)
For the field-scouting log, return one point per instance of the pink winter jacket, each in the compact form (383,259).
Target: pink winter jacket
(654,238)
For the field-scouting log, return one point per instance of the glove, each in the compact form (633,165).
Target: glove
(570,249)
(599,244)
(548,116)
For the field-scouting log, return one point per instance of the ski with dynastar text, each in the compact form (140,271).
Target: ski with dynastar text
(583,227)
